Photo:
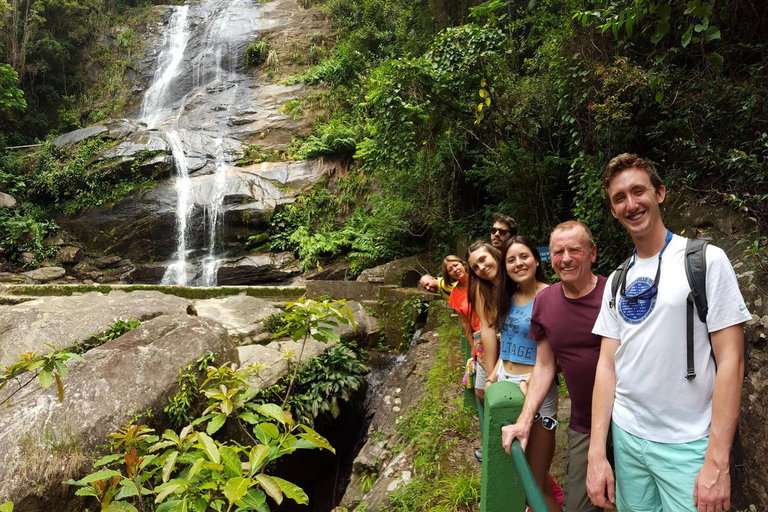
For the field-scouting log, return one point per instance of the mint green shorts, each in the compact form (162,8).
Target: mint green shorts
(655,477)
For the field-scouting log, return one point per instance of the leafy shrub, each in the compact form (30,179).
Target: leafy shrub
(336,137)
(256,53)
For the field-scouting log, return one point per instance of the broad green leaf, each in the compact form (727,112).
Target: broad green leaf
(236,488)
(209,447)
(269,429)
(216,423)
(200,505)
(87,491)
(686,39)
(254,498)
(6,507)
(76,357)
(712,34)
(271,487)
(315,438)
(292,491)
(299,333)
(272,411)
(659,96)
(248,417)
(61,369)
(257,458)
(129,489)
(107,459)
(165,489)
(262,436)
(231,461)
(104,474)
(46,378)
(716,60)
(194,468)
(169,465)
(120,506)
(329,333)
(170,435)
(171,506)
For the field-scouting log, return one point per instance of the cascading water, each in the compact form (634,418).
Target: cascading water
(156,99)
(177,271)
(193,89)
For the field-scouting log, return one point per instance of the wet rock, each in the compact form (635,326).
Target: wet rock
(275,358)
(44,274)
(258,268)
(403,389)
(132,374)
(366,325)
(8,277)
(70,255)
(7,201)
(63,321)
(149,273)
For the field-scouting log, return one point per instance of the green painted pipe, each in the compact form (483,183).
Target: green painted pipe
(532,492)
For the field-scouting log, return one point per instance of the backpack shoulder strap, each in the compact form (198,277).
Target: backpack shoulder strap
(696,272)
(618,278)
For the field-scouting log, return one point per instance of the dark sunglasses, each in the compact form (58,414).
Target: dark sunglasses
(651,292)
(502,231)
(547,422)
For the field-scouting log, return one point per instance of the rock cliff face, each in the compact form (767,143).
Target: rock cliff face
(201,108)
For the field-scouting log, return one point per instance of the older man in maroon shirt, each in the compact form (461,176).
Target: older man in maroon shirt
(561,323)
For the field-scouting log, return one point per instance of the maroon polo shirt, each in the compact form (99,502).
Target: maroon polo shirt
(567,324)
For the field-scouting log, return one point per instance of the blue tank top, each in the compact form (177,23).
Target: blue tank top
(516,345)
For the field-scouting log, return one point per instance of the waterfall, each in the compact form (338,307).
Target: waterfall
(199,65)
(214,211)
(177,271)
(156,99)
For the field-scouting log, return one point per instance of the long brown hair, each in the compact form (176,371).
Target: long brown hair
(496,298)
(540,275)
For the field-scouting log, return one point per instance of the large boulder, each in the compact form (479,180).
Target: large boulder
(403,272)
(70,255)
(44,275)
(7,201)
(276,358)
(258,268)
(43,442)
(241,315)
(64,321)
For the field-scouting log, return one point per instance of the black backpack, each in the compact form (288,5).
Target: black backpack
(696,272)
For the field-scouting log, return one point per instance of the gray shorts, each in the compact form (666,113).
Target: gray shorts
(548,407)
(480,376)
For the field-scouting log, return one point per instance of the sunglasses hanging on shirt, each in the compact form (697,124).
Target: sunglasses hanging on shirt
(651,292)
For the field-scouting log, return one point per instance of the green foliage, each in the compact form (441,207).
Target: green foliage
(276,323)
(431,430)
(336,137)
(11,97)
(46,368)
(190,469)
(6,507)
(257,53)
(181,406)
(23,230)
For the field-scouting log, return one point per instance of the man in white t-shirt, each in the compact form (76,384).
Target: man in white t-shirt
(672,436)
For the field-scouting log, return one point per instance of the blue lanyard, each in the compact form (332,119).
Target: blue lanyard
(666,243)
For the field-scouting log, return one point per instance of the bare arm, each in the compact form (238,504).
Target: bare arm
(487,336)
(466,326)
(712,489)
(540,381)
(599,474)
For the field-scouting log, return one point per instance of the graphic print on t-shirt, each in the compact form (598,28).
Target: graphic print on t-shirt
(635,311)
(516,330)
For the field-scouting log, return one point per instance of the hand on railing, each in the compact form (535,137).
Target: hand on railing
(532,491)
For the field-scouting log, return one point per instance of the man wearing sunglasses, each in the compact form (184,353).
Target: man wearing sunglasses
(504,227)
(561,323)
(672,434)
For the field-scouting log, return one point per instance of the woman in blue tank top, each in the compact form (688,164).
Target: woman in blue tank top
(517,354)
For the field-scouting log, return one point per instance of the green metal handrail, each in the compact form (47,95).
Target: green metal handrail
(532,491)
